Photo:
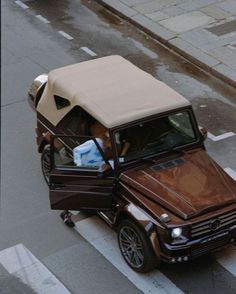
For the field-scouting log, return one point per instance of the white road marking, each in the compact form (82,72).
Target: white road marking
(22,264)
(230,172)
(74,212)
(43,19)
(232,46)
(21,4)
(65,35)
(227,258)
(220,137)
(105,241)
(88,51)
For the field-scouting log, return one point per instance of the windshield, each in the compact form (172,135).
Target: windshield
(155,136)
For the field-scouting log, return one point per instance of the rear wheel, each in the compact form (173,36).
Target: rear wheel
(135,247)
(45,163)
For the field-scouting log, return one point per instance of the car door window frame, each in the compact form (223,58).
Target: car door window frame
(74,167)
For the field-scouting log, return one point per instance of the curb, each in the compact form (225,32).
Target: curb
(126,13)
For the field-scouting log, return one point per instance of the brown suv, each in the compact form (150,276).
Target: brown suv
(119,142)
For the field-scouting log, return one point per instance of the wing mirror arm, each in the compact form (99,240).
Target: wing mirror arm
(203,132)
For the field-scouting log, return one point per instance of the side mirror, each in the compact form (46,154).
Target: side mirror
(203,132)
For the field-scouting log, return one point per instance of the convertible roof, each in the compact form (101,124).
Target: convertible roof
(111,89)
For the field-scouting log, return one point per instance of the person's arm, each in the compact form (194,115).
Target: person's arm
(57,144)
(125,148)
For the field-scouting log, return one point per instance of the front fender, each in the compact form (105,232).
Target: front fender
(145,221)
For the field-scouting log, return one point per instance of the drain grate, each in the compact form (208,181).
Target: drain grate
(223,29)
(168,164)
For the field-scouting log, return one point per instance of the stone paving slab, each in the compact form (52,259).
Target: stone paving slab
(206,41)
(188,26)
(226,55)
(121,7)
(158,15)
(152,6)
(193,53)
(134,2)
(226,71)
(229,6)
(186,22)
(173,10)
(192,5)
(153,27)
(216,12)
(198,37)
(223,28)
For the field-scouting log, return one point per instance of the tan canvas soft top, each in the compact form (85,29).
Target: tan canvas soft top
(111,89)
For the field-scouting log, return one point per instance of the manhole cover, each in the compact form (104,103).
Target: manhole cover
(223,29)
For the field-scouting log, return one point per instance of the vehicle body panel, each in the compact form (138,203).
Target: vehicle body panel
(80,190)
(193,187)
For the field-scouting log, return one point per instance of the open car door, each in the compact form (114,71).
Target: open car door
(83,187)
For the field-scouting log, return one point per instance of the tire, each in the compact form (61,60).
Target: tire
(135,247)
(45,163)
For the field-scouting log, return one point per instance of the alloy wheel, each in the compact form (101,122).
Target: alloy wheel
(45,161)
(131,247)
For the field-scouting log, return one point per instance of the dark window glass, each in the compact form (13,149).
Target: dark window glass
(156,136)
(61,102)
(76,122)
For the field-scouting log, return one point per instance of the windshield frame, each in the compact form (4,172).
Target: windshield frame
(198,142)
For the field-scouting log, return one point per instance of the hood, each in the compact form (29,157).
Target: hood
(188,186)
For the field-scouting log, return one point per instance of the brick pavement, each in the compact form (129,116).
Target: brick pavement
(203,31)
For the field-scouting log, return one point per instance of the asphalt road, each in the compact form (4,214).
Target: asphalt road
(44,35)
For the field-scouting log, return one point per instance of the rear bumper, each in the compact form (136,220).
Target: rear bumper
(195,248)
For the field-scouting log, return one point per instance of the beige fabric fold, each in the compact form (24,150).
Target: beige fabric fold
(111,89)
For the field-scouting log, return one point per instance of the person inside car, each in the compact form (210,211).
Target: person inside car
(89,155)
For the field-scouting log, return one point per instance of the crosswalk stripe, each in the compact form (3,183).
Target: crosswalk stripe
(231,172)
(22,264)
(227,258)
(95,231)
(220,137)
(21,4)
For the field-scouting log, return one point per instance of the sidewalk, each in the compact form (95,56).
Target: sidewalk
(203,31)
